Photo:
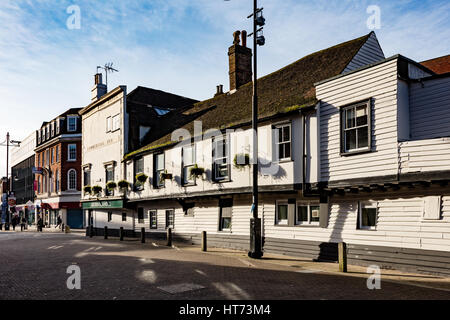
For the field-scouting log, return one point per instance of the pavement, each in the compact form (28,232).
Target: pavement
(35,266)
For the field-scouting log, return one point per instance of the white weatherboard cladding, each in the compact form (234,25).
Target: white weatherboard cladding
(424,155)
(369,53)
(430,109)
(378,83)
(400,224)
(284,173)
(99,146)
(100,218)
(205,217)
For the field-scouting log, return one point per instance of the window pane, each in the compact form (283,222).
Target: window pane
(361,116)
(160,162)
(363,137)
(280,134)
(188,155)
(315,213)
(281,151)
(282,212)
(302,212)
(226,223)
(287,150)
(350,118)
(221,170)
(350,139)
(286,133)
(369,217)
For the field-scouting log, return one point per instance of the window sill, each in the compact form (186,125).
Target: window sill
(215,181)
(357,152)
(284,161)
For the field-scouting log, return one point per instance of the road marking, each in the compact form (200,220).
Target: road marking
(98,248)
(148,276)
(247,263)
(146,261)
(55,247)
(231,291)
(181,288)
(201,272)
(308,271)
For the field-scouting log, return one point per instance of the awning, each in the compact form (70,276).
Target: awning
(104,204)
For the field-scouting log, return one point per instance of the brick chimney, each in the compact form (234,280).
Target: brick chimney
(99,89)
(240,58)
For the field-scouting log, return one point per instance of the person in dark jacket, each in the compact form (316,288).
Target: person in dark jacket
(23,223)
(40,224)
(14,222)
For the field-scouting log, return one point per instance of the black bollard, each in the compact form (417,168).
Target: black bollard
(121,233)
(63,229)
(142,235)
(106,233)
(204,241)
(169,237)
(91,231)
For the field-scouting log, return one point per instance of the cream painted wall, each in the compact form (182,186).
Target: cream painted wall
(100,146)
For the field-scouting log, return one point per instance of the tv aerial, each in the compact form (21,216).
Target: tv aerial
(108,68)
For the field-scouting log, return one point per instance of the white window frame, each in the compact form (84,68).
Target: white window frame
(281,222)
(186,166)
(368,205)
(68,180)
(68,123)
(108,124)
(278,141)
(225,157)
(68,152)
(344,128)
(308,205)
(172,226)
(57,126)
(155,213)
(115,123)
(157,172)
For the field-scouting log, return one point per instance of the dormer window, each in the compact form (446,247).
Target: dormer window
(57,126)
(71,123)
(52,126)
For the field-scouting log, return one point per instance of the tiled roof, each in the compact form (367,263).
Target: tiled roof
(438,65)
(282,91)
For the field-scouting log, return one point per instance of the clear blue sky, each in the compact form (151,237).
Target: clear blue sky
(178,45)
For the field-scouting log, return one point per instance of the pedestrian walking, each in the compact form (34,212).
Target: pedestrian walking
(23,222)
(58,222)
(40,224)
(14,222)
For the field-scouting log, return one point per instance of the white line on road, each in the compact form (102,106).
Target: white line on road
(247,263)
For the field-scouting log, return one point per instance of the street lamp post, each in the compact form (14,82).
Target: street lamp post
(255,222)
(9,143)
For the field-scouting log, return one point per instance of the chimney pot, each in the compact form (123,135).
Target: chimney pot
(244,38)
(99,89)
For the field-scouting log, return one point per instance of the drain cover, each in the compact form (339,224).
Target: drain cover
(180,288)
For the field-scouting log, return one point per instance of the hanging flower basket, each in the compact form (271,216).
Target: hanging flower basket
(96,190)
(196,172)
(141,177)
(111,185)
(87,189)
(123,184)
(241,160)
